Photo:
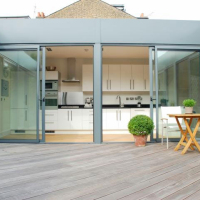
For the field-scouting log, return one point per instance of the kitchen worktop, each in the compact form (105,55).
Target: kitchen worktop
(108,106)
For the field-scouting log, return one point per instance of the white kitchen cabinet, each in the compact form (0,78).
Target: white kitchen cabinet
(76,119)
(134,78)
(19,119)
(146,78)
(51,75)
(64,119)
(117,118)
(69,119)
(111,77)
(112,119)
(140,111)
(105,78)
(18,89)
(124,118)
(137,78)
(126,78)
(104,120)
(87,77)
(114,77)
(51,119)
(87,117)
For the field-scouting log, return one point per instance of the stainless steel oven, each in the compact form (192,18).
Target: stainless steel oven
(50,86)
(51,100)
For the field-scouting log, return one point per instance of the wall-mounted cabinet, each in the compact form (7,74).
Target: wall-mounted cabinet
(87,77)
(118,78)
(111,77)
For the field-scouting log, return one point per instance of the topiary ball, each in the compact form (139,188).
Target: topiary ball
(140,125)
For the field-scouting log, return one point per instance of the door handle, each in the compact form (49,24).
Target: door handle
(25,115)
(145,87)
(133,84)
(26,100)
(130,84)
(110,84)
(107,84)
(151,99)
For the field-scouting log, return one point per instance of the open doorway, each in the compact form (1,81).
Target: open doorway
(126,89)
(69,94)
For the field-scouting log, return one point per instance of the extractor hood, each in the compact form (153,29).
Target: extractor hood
(71,71)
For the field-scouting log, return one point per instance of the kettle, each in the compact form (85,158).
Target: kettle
(139,105)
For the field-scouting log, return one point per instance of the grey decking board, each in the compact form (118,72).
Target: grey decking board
(126,155)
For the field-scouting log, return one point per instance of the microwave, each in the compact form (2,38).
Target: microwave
(50,85)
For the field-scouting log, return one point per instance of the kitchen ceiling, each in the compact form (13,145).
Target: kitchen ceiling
(108,52)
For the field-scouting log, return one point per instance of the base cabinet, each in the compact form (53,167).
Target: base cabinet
(118,118)
(142,111)
(70,119)
(19,119)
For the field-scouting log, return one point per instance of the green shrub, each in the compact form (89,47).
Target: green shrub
(140,125)
(189,102)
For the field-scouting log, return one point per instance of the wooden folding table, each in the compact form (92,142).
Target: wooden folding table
(184,141)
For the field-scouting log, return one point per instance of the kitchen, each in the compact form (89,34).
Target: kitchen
(69,103)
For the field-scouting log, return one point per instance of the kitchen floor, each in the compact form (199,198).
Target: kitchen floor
(74,138)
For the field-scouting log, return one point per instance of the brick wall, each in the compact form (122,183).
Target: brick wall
(90,9)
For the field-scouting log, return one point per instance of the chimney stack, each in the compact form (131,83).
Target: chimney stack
(40,15)
(142,15)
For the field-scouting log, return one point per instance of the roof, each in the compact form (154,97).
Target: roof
(14,17)
(90,9)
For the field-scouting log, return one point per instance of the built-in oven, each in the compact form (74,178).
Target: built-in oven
(51,100)
(50,85)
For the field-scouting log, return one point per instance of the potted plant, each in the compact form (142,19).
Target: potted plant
(140,127)
(189,104)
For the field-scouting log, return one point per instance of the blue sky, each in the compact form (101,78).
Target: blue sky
(155,9)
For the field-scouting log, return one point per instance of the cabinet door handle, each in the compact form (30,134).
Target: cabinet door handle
(49,114)
(130,84)
(133,84)
(159,84)
(107,84)
(26,100)
(116,115)
(71,115)
(110,84)
(68,114)
(145,87)
(49,122)
(25,115)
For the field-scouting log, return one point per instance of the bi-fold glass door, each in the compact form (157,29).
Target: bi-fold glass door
(175,76)
(19,95)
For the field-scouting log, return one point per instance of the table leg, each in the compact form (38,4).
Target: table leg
(192,136)
(184,135)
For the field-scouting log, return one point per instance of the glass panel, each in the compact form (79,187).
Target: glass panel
(126,90)
(18,95)
(69,101)
(178,79)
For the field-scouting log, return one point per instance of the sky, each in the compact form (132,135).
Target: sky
(154,9)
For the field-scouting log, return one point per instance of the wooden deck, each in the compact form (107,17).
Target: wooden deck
(89,171)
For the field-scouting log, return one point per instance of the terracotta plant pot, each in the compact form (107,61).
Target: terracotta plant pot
(188,110)
(140,140)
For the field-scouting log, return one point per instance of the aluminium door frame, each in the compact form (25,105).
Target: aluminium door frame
(168,48)
(24,48)
(97,138)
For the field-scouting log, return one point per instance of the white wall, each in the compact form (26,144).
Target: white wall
(108,97)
